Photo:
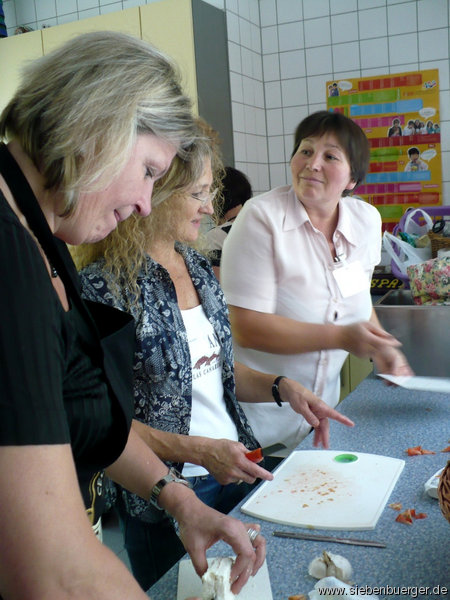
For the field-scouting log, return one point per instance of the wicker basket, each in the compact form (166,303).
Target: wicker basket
(438,242)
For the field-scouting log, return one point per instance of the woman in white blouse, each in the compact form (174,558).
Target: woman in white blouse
(296,272)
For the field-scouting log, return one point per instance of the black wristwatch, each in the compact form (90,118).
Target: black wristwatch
(276,391)
(172,477)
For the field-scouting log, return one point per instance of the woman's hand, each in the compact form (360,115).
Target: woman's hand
(392,362)
(227,463)
(365,339)
(201,527)
(314,410)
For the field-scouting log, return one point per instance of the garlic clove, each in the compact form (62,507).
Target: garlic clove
(330,564)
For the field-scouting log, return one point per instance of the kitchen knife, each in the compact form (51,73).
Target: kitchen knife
(259,453)
(327,538)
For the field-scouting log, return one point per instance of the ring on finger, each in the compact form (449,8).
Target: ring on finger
(252,534)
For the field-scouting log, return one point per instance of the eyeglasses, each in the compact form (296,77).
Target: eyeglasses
(204,198)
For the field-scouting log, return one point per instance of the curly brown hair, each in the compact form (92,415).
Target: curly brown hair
(125,249)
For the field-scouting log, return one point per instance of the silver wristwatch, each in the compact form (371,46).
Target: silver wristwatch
(172,477)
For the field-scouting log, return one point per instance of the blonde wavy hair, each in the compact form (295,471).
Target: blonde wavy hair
(79,109)
(125,250)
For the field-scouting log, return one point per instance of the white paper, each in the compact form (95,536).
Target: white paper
(426,384)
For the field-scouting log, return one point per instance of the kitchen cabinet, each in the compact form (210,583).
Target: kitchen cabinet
(353,371)
(15,52)
(126,21)
(192,32)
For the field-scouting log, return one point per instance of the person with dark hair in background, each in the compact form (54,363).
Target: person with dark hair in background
(296,272)
(236,191)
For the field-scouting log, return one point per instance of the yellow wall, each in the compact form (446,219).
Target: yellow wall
(15,52)
(166,24)
(126,21)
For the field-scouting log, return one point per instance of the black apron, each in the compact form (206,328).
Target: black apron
(112,333)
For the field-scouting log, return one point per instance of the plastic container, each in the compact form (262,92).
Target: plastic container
(435,212)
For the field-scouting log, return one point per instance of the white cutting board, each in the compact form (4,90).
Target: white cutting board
(190,584)
(327,489)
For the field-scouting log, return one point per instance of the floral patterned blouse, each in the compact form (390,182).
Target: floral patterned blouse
(162,365)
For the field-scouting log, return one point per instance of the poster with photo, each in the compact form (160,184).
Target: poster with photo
(399,114)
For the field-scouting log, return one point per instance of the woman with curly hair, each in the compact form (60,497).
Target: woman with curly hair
(186,384)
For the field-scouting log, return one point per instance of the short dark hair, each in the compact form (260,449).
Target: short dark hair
(349,135)
(236,190)
(413,150)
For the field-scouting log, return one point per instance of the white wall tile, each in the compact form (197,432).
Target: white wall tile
(277,175)
(403,49)
(343,6)
(259,94)
(248,90)
(444,72)
(405,68)
(87,4)
(317,87)
(66,6)
(246,61)
(237,113)
(236,88)
(250,122)
(233,27)
(372,23)
(255,33)
(289,10)
(444,101)
(10,14)
(245,33)
(269,39)
(292,117)
(293,92)
(217,3)
(263,177)
(254,12)
(261,121)
(274,119)
(45,9)
(363,4)
(401,18)
(317,32)
(87,14)
(231,5)
(272,90)
(432,14)
(445,136)
(276,148)
(318,60)
(290,36)
(240,153)
(25,12)
(315,8)
(257,66)
(234,57)
(61,19)
(374,53)
(271,67)
(346,56)
(292,64)
(344,28)
(267,12)
(244,8)
(109,8)
(261,149)
(433,44)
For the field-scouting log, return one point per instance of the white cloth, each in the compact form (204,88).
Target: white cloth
(209,416)
(285,267)
(216,236)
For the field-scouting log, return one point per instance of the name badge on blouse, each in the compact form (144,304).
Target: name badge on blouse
(350,278)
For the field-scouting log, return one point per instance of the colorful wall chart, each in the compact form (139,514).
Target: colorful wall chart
(399,114)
